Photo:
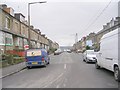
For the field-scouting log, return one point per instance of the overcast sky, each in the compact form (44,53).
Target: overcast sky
(61,19)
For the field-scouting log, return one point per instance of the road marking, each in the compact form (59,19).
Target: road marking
(54,80)
(64,85)
(57,86)
(65,66)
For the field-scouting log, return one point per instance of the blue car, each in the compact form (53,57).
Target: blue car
(36,57)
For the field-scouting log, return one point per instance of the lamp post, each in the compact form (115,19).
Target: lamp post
(76,40)
(29,20)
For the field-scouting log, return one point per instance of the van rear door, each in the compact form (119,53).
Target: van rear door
(34,55)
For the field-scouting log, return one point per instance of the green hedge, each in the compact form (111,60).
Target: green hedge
(8,60)
(52,50)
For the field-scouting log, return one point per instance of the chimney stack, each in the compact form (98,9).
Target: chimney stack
(3,6)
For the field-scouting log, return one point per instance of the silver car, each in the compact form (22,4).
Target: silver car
(89,56)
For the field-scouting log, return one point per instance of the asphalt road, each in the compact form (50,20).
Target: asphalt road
(66,70)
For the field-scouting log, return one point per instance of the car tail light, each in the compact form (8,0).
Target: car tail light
(43,59)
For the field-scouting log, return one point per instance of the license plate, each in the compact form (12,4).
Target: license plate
(34,62)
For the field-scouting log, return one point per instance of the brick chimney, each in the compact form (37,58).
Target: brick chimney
(3,6)
(31,26)
(43,35)
(20,17)
(8,10)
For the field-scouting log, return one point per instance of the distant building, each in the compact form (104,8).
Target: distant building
(93,39)
(112,25)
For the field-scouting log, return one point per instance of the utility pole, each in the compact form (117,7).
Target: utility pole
(76,40)
(29,20)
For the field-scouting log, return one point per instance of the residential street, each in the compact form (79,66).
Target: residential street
(66,70)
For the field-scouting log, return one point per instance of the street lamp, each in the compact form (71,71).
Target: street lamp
(76,40)
(29,19)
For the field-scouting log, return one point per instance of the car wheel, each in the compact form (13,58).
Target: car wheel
(117,73)
(96,65)
(83,60)
(86,60)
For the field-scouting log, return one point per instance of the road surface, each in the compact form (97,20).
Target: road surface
(66,70)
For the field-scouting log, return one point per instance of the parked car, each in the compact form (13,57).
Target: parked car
(69,51)
(107,56)
(57,52)
(36,57)
(89,56)
(79,51)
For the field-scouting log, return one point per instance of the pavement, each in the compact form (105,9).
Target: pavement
(6,71)
(66,70)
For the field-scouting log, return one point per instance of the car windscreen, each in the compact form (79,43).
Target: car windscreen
(33,53)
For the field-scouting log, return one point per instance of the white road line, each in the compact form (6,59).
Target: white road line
(57,86)
(54,80)
(65,66)
(64,85)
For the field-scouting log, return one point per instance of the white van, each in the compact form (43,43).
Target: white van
(107,57)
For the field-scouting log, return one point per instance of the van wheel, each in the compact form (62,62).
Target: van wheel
(116,73)
(48,63)
(28,67)
(96,65)
(45,64)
